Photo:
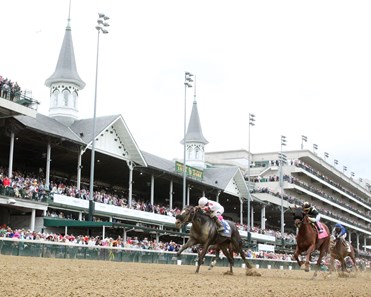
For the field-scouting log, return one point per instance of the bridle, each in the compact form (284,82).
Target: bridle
(190,213)
(299,221)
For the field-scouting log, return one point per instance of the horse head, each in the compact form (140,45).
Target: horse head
(184,217)
(298,214)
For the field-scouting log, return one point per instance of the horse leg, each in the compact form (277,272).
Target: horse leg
(201,256)
(332,265)
(228,252)
(190,242)
(297,257)
(307,259)
(322,253)
(217,256)
(354,262)
(352,256)
(238,248)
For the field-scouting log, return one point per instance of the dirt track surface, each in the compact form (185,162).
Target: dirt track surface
(26,276)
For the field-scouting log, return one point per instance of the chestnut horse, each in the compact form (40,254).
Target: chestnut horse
(204,232)
(307,240)
(339,251)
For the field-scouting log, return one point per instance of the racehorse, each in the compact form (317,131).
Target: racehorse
(307,240)
(339,252)
(204,232)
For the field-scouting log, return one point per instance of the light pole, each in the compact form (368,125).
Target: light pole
(251,123)
(315,148)
(326,155)
(282,159)
(187,84)
(303,139)
(100,28)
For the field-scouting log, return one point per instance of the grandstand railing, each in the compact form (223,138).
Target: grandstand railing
(31,248)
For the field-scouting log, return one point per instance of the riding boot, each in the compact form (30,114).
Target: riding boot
(218,224)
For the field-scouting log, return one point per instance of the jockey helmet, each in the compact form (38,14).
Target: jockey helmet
(337,225)
(202,201)
(306,206)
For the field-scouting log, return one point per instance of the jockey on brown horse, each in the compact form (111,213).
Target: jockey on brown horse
(308,237)
(339,232)
(313,215)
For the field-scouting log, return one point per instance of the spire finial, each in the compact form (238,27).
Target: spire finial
(69,16)
(194,87)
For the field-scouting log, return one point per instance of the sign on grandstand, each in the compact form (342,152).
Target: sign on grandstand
(266,247)
(190,171)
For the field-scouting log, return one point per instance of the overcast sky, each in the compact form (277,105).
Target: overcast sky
(302,67)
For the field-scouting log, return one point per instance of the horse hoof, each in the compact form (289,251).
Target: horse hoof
(228,273)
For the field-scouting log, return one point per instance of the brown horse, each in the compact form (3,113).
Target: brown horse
(307,240)
(204,232)
(339,252)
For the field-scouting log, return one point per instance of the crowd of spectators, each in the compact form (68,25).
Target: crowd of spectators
(9,89)
(32,186)
(137,243)
(319,191)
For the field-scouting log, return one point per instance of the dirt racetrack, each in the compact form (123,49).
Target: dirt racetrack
(27,276)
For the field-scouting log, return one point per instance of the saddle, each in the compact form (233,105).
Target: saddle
(227,229)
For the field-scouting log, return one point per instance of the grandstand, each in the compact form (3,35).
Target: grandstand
(56,149)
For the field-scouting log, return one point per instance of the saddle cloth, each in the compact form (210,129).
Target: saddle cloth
(324,233)
(227,229)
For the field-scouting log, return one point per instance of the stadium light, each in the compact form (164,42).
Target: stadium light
(187,84)
(282,157)
(303,139)
(100,28)
(251,123)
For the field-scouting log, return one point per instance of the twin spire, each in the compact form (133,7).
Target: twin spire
(65,83)
(195,140)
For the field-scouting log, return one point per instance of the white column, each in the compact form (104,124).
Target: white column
(262,215)
(79,167)
(364,243)
(11,152)
(131,168)
(357,242)
(188,194)
(241,212)
(33,216)
(171,189)
(152,189)
(48,160)
(252,216)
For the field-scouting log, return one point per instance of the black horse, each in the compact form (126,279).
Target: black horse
(204,232)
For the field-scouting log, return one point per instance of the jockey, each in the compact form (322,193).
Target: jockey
(340,232)
(215,210)
(313,215)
